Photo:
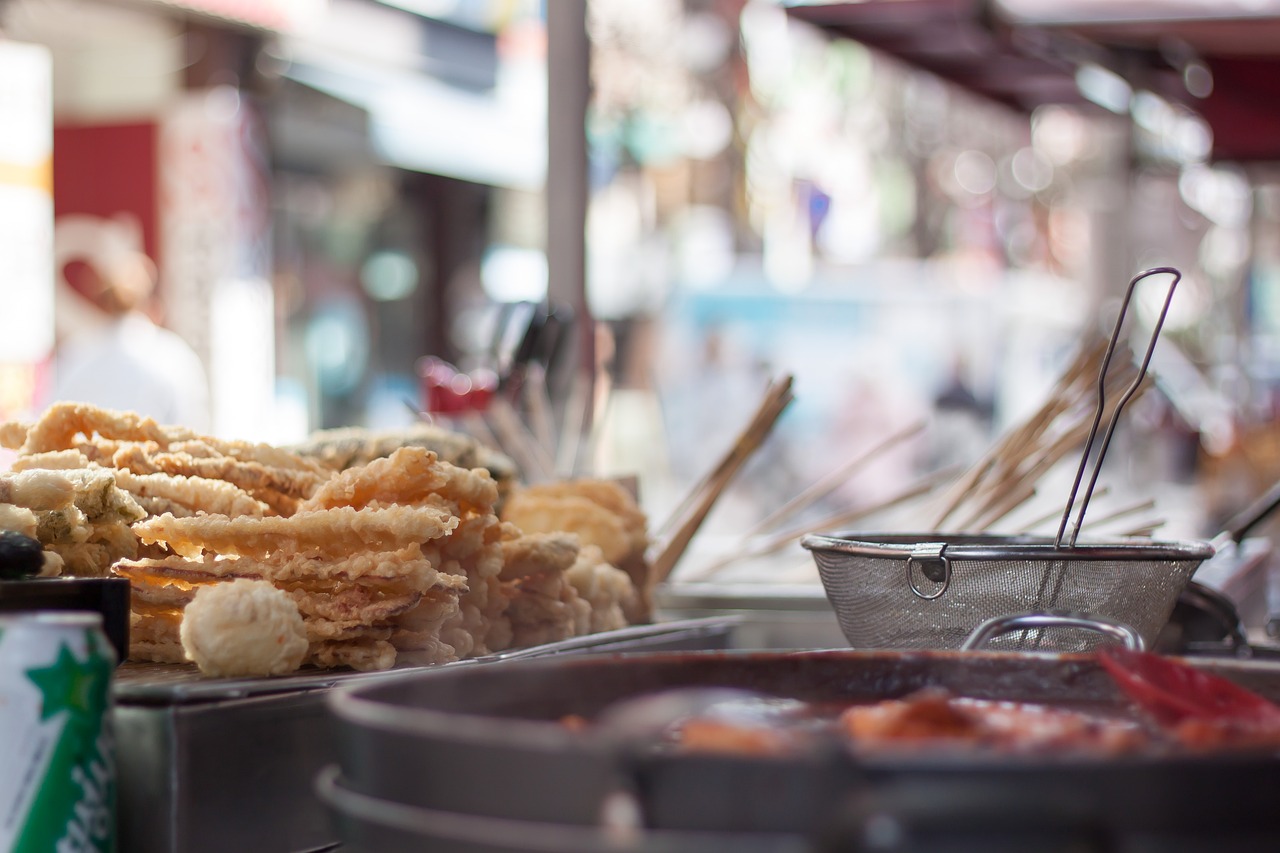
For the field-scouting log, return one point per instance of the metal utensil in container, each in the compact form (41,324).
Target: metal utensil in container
(930,590)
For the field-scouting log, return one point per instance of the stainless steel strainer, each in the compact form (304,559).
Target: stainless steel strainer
(931,590)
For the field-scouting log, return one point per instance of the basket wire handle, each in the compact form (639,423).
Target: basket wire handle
(1102,402)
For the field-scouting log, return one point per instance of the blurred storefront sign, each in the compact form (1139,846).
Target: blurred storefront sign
(422,125)
(215,250)
(436,95)
(278,15)
(26,221)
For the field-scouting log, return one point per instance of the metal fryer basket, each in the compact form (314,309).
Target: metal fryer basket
(932,590)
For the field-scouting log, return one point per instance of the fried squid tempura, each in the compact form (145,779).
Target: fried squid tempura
(402,569)
(405,565)
(542,605)
(607,589)
(54,460)
(18,518)
(62,422)
(192,494)
(37,490)
(13,434)
(78,513)
(252,477)
(334,531)
(409,475)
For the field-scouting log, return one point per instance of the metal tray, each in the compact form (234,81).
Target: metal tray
(208,765)
(774,616)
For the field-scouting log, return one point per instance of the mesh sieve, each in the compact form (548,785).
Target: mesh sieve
(932,590)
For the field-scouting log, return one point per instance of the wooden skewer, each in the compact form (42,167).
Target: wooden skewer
(572,434)
(1145,530)
(996,503)
(827,484)
(1056,515)
(685,506)
(517,441)
(1020,437)
(777,397)
(1008,480)
(474,425)
(1015,496)
(1143,506)
(832,522)
(538,402)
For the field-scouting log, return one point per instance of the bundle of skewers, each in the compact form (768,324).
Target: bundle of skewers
(1008,477)
(999,492)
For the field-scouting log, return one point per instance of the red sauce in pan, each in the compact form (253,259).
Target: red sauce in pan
(933,721)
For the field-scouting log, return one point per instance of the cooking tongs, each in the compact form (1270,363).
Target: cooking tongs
(1102,401)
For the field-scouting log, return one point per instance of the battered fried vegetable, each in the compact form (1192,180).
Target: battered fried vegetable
(18,519)
(251,477)
(13,434)
(37,490)
(409,475)
(58,427)
(342,530)
(606,589)
(182,495)
(54,460)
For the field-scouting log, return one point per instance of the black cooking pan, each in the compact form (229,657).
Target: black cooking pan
(489,741)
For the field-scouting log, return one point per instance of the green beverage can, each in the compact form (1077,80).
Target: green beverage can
(57,755)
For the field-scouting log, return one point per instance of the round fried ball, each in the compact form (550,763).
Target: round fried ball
(243,627)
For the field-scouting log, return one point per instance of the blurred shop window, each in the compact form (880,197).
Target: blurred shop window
(125,361)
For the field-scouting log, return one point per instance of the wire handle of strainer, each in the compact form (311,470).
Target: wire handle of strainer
(1102,401)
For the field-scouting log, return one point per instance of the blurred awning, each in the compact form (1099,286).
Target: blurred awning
(424,125)
(1236,41)
(1025,53)
(957,41)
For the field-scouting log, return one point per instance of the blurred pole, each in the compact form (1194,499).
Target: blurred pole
(568,91)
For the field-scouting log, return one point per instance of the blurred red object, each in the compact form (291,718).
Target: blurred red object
(1174,693)
(446,391)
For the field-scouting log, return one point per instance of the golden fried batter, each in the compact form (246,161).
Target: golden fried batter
(249,476)
(194,494)
(361,655)
(54,460)
(545,608)
(594,524)
(338,531)
(38,490)
(538,553)
(409,475)
(18,518)
(606,589)
(609,494)
(354,604)
(603,514)
(243,628)
(62,422)
(13,434)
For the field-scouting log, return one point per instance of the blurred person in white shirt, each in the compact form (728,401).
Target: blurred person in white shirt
(128,362)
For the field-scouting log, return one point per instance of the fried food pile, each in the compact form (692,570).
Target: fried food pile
(611,530)
(392,555)
(351,447)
